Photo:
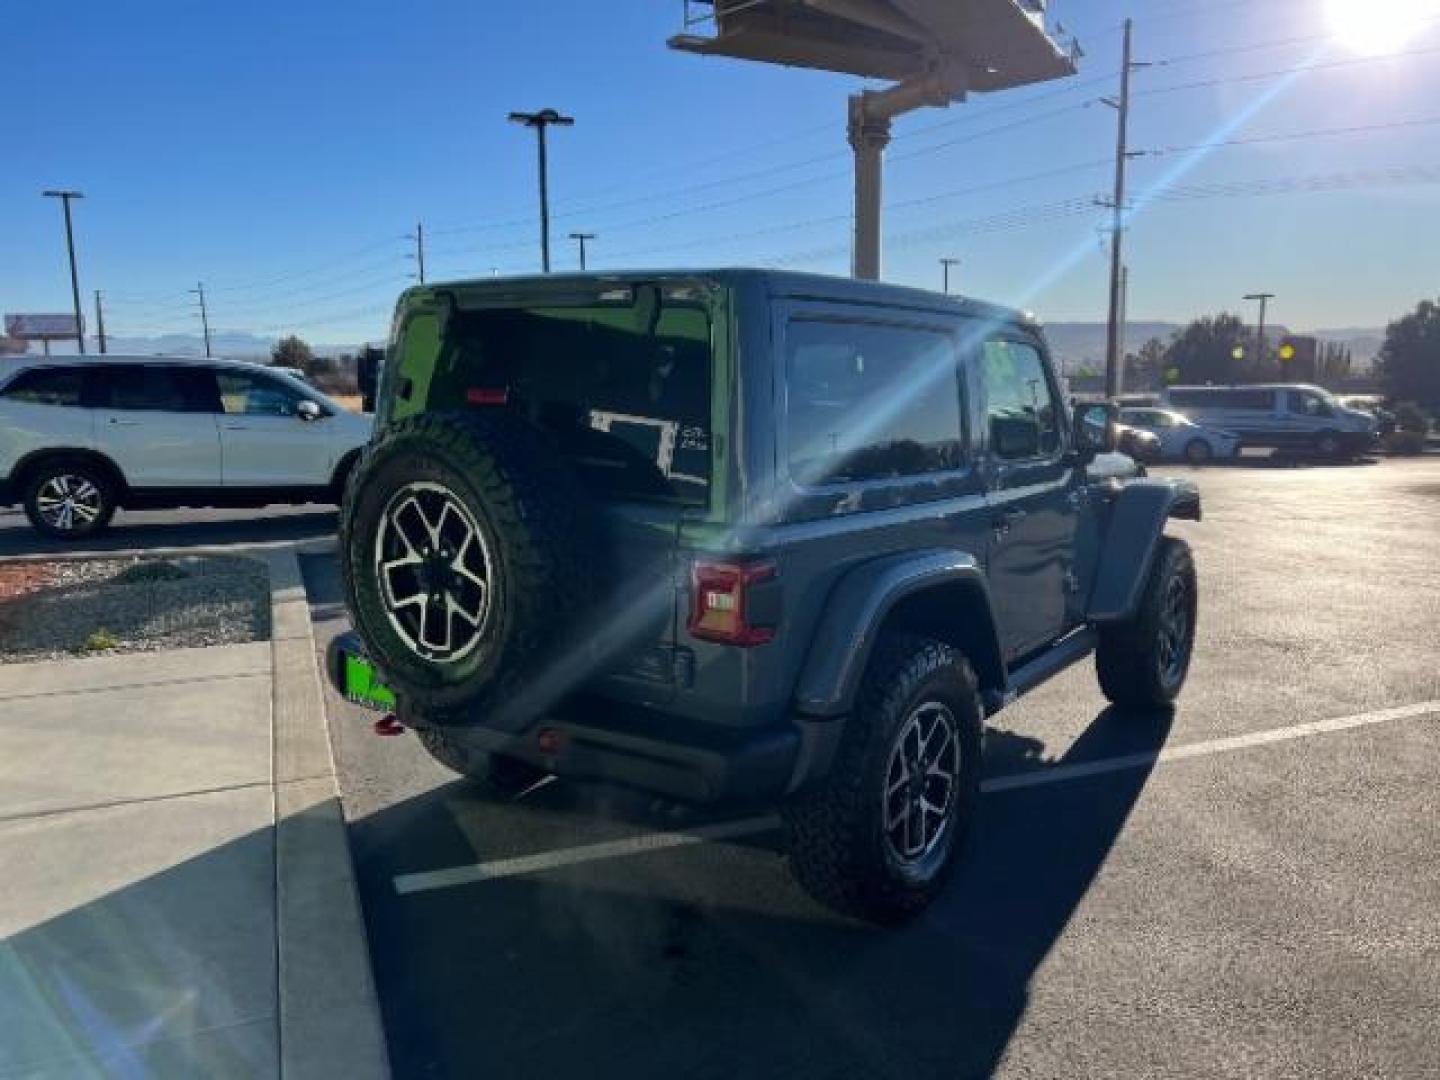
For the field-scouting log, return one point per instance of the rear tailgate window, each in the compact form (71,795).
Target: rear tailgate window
(623,385)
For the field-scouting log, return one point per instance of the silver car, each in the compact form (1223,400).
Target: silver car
(1181,437)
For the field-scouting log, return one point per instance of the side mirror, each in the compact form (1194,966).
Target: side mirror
(1094,428)
(307,410)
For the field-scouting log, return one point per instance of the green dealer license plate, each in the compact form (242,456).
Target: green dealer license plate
(362,684)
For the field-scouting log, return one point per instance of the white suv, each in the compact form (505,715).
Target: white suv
(80,436)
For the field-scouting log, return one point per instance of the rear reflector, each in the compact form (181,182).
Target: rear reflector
(487,395)
(718,608)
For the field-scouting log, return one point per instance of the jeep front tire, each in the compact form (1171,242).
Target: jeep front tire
(1142,662)
(878,837)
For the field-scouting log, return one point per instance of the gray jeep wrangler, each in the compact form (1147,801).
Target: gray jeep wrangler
(745,535)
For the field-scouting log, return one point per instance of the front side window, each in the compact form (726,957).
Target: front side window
(869,402)
(1021,410)
(244,394)
(152,388)
(48,386)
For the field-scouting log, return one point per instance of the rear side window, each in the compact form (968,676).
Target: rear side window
(869,401)
(623,387)
(1021,410)
(154,388)
(48,386)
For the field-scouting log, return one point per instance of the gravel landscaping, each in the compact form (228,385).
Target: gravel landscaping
(97,607)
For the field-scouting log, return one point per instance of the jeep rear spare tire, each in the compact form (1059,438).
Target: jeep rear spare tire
(462,545)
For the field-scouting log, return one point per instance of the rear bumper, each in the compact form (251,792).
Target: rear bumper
(591,738)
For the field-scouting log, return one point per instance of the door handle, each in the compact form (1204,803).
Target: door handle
(124,423)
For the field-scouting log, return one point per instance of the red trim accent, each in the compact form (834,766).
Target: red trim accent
(487,395)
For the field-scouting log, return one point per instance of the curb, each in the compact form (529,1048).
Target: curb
(329,1013)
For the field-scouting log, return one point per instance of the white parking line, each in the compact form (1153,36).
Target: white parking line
(729,830)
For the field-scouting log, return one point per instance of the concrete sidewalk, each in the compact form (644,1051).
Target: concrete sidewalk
(177,895)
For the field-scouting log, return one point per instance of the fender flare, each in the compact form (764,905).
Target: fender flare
(864,599)
(1132,536)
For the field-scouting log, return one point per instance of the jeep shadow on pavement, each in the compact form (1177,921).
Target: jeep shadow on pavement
(739,535)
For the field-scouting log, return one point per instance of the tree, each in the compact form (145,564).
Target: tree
(1143,367)
(1332,363)
(1409,361)
(291,352)
(1203,352)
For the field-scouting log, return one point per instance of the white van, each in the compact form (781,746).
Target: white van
(1285,416)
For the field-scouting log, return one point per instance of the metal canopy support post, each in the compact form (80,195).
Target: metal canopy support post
(869,130)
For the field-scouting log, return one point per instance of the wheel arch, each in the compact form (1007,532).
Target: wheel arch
(1132,536)
(24,468)
(938,594)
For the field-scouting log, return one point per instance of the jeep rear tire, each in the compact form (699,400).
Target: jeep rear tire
(878,837)
(463,541)
(496,774)
(1142,662)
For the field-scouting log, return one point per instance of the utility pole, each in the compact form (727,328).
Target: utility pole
(99,322)
(580,238)
(65,197)
(1124,310)
(945,264)
(540,121)
(1264,298)
(1122,155)
(199,291)
(419,237)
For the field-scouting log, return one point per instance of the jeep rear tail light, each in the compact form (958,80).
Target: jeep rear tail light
(722,603)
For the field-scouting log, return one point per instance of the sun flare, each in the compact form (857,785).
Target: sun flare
(1372,27)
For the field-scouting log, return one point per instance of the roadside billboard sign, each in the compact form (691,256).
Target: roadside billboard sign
(47,326)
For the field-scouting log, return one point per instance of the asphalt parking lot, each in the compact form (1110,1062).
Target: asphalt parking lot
(1260,901)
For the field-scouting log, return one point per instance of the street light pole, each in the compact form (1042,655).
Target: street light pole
(540,121)
(65,198)
(99,322)
(945,264)
(199,291)
(580,238)
(1264,298)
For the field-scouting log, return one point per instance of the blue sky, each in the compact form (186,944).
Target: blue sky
(280,151)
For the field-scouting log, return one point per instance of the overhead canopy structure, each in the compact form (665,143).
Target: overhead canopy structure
(935,51)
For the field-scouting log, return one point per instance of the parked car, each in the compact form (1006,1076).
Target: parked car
(1181,437)
(1142,445)
(1283,416)
(83,436)
(748,535)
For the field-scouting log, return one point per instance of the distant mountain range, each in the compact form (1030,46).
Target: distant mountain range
(1075,344)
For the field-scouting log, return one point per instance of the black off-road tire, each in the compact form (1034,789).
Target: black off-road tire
(1131,660)
(78,469)
(494,773)
(524,498)
(835,831)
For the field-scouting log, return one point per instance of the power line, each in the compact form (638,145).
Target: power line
(1303,68)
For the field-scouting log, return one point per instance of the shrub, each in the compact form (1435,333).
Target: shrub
(1410,417)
